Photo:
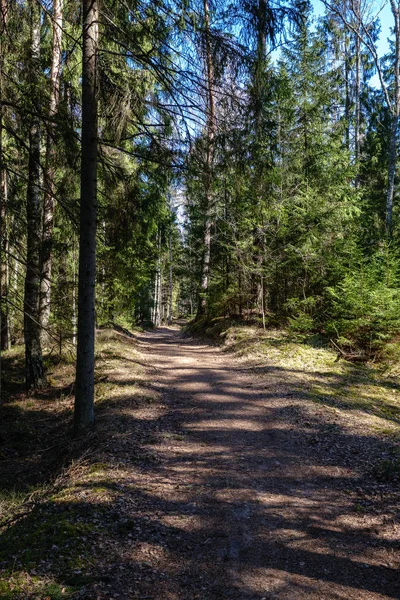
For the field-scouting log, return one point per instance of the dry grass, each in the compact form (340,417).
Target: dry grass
(57,494)
(372,391)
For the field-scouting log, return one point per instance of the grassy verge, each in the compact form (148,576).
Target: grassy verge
(58,497)
(370,390)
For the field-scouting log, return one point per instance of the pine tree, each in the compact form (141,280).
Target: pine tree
(84,394)
(34,367)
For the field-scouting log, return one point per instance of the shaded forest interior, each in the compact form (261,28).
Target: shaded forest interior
(227,167)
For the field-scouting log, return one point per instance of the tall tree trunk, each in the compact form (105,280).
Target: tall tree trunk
(357,85)
(34,369)
(84,395)
(395,121)
(4,312)
(259,242)
(391,175)
(74,303)
(260,67)
(4,270)
(208,167)
(170,281)
(347,105)
(157,285)
(13,293)
(49,198)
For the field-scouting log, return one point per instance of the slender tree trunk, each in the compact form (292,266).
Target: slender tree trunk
(153,310)
(260,68)
(171,283)
(395,122)
(262,301)
(74,298)
(13,294)
(391,175)
(240,292)
(357,85)
(4,311)
(259,241)
(34,369)
(164,302)
(347,89)
(208,167)
(84,395)
(49,198)
(157,285)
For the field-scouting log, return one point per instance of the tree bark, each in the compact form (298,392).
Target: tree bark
(395,122)
(156,316)
(259,242)
(391,175)
(259,68)
(357,86)
(15,266)
(208,167)
(4,312)
(170,281)
(34,369)
(74,302)
(347,104)
(84,395)
(49,197)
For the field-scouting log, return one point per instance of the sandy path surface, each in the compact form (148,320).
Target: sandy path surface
(245,505)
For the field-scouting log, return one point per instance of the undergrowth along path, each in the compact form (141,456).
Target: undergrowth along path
(263,488)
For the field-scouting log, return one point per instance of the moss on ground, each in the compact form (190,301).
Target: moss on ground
(325,379)
(57,495)
(312,364)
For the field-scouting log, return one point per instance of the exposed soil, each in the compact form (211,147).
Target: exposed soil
(245,499)
(228,484)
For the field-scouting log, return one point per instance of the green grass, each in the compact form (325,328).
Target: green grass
(21,584)
(56,500)
(312,366)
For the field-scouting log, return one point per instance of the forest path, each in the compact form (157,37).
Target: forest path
(245,505)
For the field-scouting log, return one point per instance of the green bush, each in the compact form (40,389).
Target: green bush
(301,323)
(364,309)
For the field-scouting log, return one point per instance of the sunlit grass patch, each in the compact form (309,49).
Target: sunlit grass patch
(313,366)
(50,526)
(23,585)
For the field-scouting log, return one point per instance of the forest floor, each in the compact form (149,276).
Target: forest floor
(257,470)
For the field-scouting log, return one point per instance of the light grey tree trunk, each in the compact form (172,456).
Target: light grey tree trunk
(208,167)
(361,30)
(34,369)
(84,395)
(171,283)
(153,310)
(347,71)
(395,122)
(391,175)
(157,285)
(357,124)
(49,197)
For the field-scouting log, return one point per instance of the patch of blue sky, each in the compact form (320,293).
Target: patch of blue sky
(379,10)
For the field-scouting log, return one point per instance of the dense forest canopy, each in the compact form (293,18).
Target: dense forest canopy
(198,158)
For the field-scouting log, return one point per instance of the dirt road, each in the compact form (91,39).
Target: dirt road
(244,502)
